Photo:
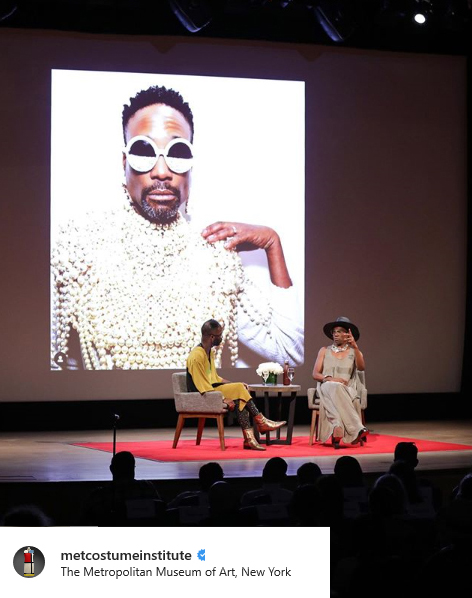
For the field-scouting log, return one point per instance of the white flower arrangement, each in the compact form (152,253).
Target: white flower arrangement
(269,368)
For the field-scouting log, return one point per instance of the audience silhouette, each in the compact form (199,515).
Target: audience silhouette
(308,473)
(389,535)
(209,474)
(274,475)
(26,516)
(125,501)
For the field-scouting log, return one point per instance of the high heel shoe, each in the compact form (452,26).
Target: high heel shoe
(362,436)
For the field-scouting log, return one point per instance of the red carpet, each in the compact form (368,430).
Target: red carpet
(209,450)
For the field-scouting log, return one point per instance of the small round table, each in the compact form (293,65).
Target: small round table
(280,390)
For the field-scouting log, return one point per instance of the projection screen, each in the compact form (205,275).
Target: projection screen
(355,159)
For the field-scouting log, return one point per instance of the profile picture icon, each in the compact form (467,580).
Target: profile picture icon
(28,561)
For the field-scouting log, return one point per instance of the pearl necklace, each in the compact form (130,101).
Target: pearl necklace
(336,349)
(137,292)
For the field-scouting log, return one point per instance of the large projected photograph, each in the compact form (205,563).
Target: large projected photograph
(174,200)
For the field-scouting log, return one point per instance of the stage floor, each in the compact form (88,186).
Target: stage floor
(49,456)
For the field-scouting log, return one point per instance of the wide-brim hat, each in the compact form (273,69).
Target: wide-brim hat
(343,322)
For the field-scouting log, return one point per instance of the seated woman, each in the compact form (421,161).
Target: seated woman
(335,371)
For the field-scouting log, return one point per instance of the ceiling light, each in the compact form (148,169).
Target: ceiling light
(419,18)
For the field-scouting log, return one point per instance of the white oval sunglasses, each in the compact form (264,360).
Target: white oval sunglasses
(142,154)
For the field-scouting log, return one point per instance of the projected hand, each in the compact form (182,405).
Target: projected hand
(247,237)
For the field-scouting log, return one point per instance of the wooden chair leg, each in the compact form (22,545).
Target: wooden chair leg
(221,431)
(201,425)
(178,430)
(312,427)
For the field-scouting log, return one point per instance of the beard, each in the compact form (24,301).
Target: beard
(163,212)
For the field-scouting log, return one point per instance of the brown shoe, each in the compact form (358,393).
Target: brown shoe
(267,425)
(250,442)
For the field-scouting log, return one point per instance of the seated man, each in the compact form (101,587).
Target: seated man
(335,371)
(406,453)
(209,474)
(115,504)
(202,377)
(272,491)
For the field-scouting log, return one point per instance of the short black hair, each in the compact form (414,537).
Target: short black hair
(348,471)
(156,95)
(308,473)
(122,465)
(274,470)
(209,326)
(406,451)
(209,474)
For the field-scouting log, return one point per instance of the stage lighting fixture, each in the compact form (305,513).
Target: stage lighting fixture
(339,18)
(193,14)
(7,8)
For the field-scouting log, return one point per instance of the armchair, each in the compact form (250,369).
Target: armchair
(360,404)
(193,404)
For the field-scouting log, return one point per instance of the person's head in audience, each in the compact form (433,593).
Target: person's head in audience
(408,452)
(25,516)
(274,471)
(348,472)
(209,474)
(123,466)
(308,473)
(387,497)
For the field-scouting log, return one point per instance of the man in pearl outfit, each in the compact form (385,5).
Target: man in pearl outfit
(130,290)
